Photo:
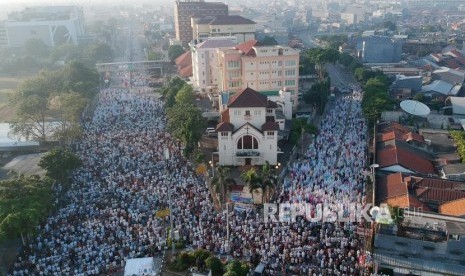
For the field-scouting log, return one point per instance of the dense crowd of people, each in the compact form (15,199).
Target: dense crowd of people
(132,167)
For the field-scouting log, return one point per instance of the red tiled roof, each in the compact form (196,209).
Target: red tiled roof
(460,60)
(224,126)
(184,59)
(184,64)
(401,132)
(247,47)
(248,98)
(456,53)
(392,155)
(452,64)
(391,186)
(225,115)
(270,126)
(186,71)
(416,203)
(453,208)
(436,190)
(382,137)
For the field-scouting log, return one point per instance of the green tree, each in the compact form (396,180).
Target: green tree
(219,181)
(320,56)
(360,73)
(253,181)
(36,47)
(318,95)
(100,52)
(185,95)
(59,164)
(390,25)
(376,98)
(69,108)
(268,41)
(214,264)
(31,118)
(186,123)
(238,268)
(269,181)
(24,202)
(80,78)
(170,91)
(174,51)
(230,273)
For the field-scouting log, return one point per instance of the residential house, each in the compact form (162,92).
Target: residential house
(406,86)
(403,158)
(417,193)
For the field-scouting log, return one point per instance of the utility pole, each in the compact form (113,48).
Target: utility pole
(227,228)
(171,224)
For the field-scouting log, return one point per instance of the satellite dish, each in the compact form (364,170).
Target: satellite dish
(415,108)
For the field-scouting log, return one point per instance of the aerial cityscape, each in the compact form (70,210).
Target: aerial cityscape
(201,137)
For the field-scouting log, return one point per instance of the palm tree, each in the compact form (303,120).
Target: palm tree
(253,180)
(219,181)
(269,181)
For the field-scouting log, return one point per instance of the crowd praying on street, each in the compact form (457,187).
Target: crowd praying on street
(108,213)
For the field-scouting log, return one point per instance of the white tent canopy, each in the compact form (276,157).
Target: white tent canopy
(139,267)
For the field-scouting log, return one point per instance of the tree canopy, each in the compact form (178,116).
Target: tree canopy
(24,202)
(174,51)
(59,163)
(321,56)
(54,96)
(376,98)
(186,123)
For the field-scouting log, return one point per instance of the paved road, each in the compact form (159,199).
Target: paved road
(339,75)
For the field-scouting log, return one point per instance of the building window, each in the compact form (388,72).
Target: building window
(290,63)
(234,84)
(280,63)
(257,112)
(280,73)
(233,74)
(233,64)
(289,83)
(237,113)
(224,134)
(247,113)
(269,110)
(290,72)
(247,142)
(270,133)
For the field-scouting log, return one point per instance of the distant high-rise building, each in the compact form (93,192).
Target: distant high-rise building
(52,24)
(379,49)
(185,10)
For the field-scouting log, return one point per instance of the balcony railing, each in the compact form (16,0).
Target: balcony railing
(247,153)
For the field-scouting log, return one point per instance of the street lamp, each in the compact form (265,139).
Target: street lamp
(212,164)
(166,154)
(227,228)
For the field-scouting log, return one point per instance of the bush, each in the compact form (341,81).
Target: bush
(214,264)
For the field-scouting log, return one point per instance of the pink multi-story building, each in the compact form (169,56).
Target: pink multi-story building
(262,68)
